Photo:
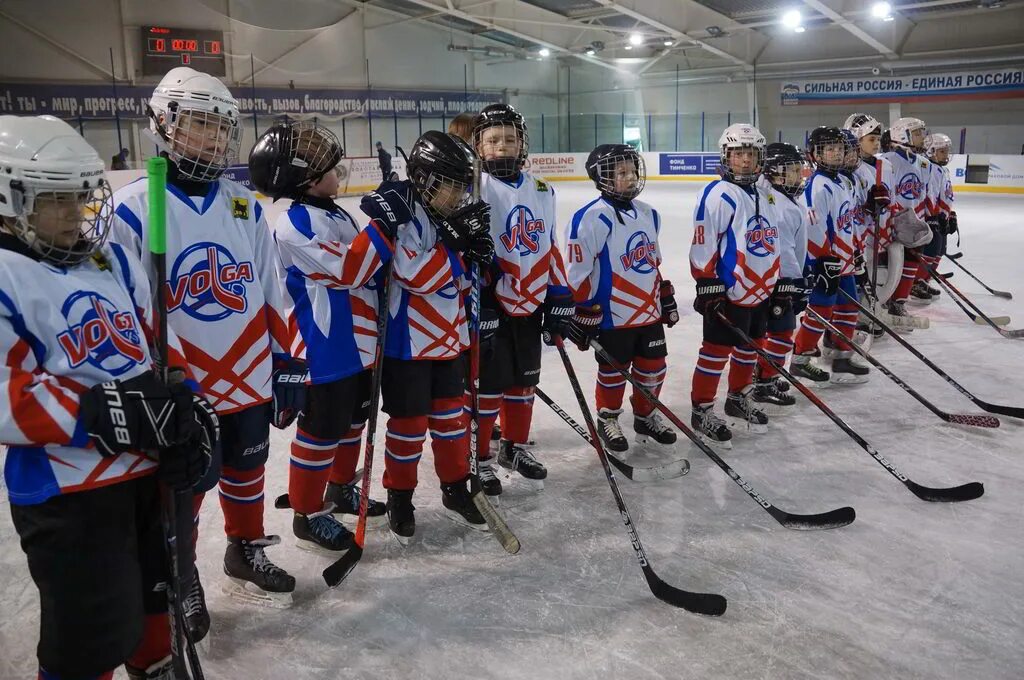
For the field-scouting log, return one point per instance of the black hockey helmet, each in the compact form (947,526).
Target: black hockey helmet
(291,156)
(784,167)
(502,115)
(602,164)
(823,136)
(441,163)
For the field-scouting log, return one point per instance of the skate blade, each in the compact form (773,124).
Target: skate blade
(317,549)
(848,379)
(773,410)
(920,303)
(247,592)
(715,444)
(737,425)
(403,540)
(462,521)
(350,521)
(510,477)
(645,439)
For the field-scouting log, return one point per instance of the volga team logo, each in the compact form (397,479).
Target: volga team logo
(207,283)
(847,218)
(761,236)
(910,186)
(100,334)
(522,231)
(639,255)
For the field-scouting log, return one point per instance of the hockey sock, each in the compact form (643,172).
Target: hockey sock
(741,367)
(308,470)
(611,386)
(711,362)
(651,374)
(156,641)
(777,345)
(811,329)
(489,405)
(241,499)
(403,448)
(46,675)
(844,317)
(346,458)
(448,440)
(902,291)
(516,414)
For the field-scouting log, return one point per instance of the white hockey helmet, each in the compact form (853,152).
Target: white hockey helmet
(862,125)
(937,141)
(54,195)
(741,136)
(194,118)
(902,132)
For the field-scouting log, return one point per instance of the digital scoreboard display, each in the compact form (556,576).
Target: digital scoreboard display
(164,48)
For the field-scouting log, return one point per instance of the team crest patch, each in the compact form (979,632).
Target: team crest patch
(761,237)
(208,283)
(540,184)
(100,334)
(771,200)
(240,208)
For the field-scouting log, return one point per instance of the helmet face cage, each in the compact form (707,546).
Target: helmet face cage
(202,144)
(830,154)
(65,226)
(502,146)
(442,195)
(935,143)
(620,176)
(314,151)
(852,155)
(741,177)
(787,176)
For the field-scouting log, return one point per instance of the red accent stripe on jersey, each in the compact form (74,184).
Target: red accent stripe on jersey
(428,280)
(449,337)
(646,312)
(223,368)
(31,418)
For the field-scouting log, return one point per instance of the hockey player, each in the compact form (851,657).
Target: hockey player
(612,260)
(89,425)
(439,232)
(226,304)
(462,126)
(527,290)
(734,258)
(330,263)
(831,262)
(783,178)
(937,147)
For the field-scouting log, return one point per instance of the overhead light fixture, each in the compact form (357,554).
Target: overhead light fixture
(715,31)
(591,52)
(799,29)
(668,42)
(544,52)
(629,47)
(636,39)
(794,20)
(882,10)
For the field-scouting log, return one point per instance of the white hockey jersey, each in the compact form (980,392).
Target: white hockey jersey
(831,227)
(858,191)
(941,190)
(792,227)
(63,330)
(225,297)
(612,260)
(881,172)
(736,239)
(912,189)
(331,265)
(523,228)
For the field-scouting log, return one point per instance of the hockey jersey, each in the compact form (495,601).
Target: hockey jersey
(427,312)
(830,231)
(331,264)
(941,190)
(63,330)
(523,229)
(736,239)
(792,227)
(612,259)
(912,189)
(224,290)
(878,172)
(858,191)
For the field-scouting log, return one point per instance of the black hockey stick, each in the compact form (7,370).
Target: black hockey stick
(997,293)
(954,292)
(954,256)
(652,473)
(832,519)
(708,604)
(964,492)
(958,418)
(1011,411)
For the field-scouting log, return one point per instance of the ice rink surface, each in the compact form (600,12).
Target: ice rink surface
(909,590)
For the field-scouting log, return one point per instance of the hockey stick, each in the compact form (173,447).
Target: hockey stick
(634,474)
(997,293)
(699,603)
(826,520)
(177,504)
(954,256)
(957,418)
(981,317)
(964,492)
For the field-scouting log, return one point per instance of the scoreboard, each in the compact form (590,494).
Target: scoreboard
(164,48)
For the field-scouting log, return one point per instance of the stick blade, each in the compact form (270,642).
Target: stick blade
(706,604)
(956,494)
(497,524)
(338,570)
(972,420)
(1019,333)
(997,320)
(833,519)
(1003,294)
(1010,411)
(653,473)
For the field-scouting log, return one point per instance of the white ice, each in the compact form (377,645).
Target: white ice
(910,590)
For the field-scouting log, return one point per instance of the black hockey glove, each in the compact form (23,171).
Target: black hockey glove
(586,322)
(480,248)
(559,311)
(182,466)
(781,300)
(942,225)
(466,223)
(289,385)
(952,227)
(878,198)
(389,206)
(138,414)
(669,308)
(859,265)
(710,296)
(826,274)
(802,290)
(490,321)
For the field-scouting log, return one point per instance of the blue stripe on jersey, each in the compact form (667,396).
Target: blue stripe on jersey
(726,266)
(604,287)
(298,215)
(456,263)
(704,198)
(28,475)
(578,217)
(208,199)
(382,245)
(258,211)
(18,324)
(333,356)
(129,218)
(397,344)
(808,197)
(728,199)
(604,220)
(657,221)
(122,262)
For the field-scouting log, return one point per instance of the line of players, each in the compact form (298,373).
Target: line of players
(267,326)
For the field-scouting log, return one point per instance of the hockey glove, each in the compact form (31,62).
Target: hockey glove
(669,308)
(490,321)
(952,227)
(710,296)
(802,290)
(457,229)
(480,248)
(781,300)
(138,414)
(389,206)
(182,466)
(559,311)
(826,274)
(878,198)
(586,322)
(289,382)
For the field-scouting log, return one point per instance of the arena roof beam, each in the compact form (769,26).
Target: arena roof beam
(850,27)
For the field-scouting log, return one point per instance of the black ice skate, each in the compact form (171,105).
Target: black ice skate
(769,399)
(459,507)
(651,428)
(901,319)
(197,616)
(710,427)
(320,532)
(803,368)
(345,498)
(511,456)
(846,372)
(252,577)
(920,293)
(609,430)
(935,292)
(401,515)
(496,436)
(741,412)
(161,670)
(489,481)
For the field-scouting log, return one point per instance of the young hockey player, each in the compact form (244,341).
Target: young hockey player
(783,178)
(330,263)
(527,291)
(226,305)
(423,386)
(937,147)
(612,261)
(462,126)
(734,258)
(88,423)
(831,245)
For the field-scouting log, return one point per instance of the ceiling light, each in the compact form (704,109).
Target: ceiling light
(636,39)
(792,19)
(667,42)
(629,47)
(544,52)
(799,29)
(715,31)
(881,10)
(590,52)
